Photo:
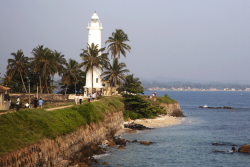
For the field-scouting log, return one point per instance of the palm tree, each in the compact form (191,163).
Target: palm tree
(117,44)
(92,58)
(44,64)
(38,53)
(19,65)
(59,61)
(48,65)
(71,73)
(115,74)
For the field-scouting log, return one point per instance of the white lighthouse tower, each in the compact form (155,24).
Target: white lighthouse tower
(95,28)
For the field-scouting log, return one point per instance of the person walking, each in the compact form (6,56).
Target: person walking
(80,99)
(93,97)
(40,103)
(17,103)
(90,97)
(76,99)
(35,102)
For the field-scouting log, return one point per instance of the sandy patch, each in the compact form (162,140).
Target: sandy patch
(158,122)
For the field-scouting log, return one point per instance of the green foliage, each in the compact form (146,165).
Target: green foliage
(133,85)
(135,102)
(20,129)
(132,115)
(165,99)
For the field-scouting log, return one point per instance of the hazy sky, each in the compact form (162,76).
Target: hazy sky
(190,39)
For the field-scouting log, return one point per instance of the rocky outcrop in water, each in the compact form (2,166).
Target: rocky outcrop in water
(136,126)
(245,148)
(225,107)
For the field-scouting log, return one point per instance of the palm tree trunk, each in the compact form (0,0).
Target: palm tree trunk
(47,85)
(23,82)
(92,82)
(40,80)
(111,88)
(66,90)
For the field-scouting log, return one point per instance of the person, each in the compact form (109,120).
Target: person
(17,103)
(10,104)
(89,97)
(153,95)
(80,99)
(128,120)
(27,105)
(76,99)
(35,102)
(40,103)
(93,97)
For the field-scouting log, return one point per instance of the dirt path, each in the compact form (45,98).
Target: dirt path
(56,108)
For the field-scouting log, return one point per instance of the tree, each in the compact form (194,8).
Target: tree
(38,53)
(59,61)
(115,74)
(44,63)
(71,73)
(19,65)
(92,57)
(117,43)
(133,85)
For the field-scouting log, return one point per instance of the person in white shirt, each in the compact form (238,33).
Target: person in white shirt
(80,99)
(76,99)
(17,103)
(93,96)
(27,105)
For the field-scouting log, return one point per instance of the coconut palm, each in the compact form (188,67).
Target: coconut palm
(36,64)
(117,44)
(115,74)
(48,66)
(92,57)
(19,65)
(59,61)
(70,73)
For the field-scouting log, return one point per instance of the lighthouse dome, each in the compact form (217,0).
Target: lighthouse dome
(94,18)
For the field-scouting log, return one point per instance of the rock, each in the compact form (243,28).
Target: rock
(145,142)
(127,141)
(121,147)
(120,142)
(245,149)
(112,144)
(104,163)
(105,142)
(234,149)
(225,107)
(134,141)
(136,126)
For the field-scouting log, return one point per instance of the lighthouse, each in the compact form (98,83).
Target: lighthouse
(95,28)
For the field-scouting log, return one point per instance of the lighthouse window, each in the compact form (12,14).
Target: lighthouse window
(96,80)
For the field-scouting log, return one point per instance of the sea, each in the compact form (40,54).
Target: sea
(203,138)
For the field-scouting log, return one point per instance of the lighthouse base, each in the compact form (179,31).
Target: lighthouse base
(88,90)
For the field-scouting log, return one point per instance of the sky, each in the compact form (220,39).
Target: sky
(192,40)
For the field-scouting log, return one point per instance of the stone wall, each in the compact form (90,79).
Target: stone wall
(171,107)
(47,152)
(45,97)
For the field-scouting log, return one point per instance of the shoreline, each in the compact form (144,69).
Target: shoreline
(159,122)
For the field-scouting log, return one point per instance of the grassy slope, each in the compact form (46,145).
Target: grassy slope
(27,127)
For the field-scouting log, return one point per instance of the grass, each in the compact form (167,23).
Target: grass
(20,129)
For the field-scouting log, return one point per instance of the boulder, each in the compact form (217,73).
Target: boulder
(105,142)
(121,147)
(120,142)
(245,149)
(145,142)
(111,144)
(234,149)
(134,141)
(104,163)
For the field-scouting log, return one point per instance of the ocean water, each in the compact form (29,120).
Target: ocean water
(191,142)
